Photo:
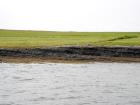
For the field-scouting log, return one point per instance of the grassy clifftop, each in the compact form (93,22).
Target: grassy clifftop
(32,39)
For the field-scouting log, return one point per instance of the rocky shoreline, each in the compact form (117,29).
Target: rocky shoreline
(106,54)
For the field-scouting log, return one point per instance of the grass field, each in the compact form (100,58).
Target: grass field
(32,39)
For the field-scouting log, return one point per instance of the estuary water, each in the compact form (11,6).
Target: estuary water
(70,84)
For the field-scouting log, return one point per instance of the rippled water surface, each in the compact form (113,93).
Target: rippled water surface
(70,84)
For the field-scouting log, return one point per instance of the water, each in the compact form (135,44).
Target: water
(70,84)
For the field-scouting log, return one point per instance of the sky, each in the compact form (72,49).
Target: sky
(70,15)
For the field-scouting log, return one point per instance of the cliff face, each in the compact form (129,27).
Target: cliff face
(72,52)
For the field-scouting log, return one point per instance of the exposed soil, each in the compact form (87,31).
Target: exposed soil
(71,54)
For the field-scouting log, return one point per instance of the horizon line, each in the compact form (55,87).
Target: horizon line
(43,30)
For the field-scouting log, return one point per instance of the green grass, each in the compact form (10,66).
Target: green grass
(32,39)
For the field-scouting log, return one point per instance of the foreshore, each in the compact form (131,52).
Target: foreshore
(70,54)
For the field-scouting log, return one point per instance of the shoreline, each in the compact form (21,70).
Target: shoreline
(71,54)
(62,60)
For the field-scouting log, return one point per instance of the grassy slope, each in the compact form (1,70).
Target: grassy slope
(29,39)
